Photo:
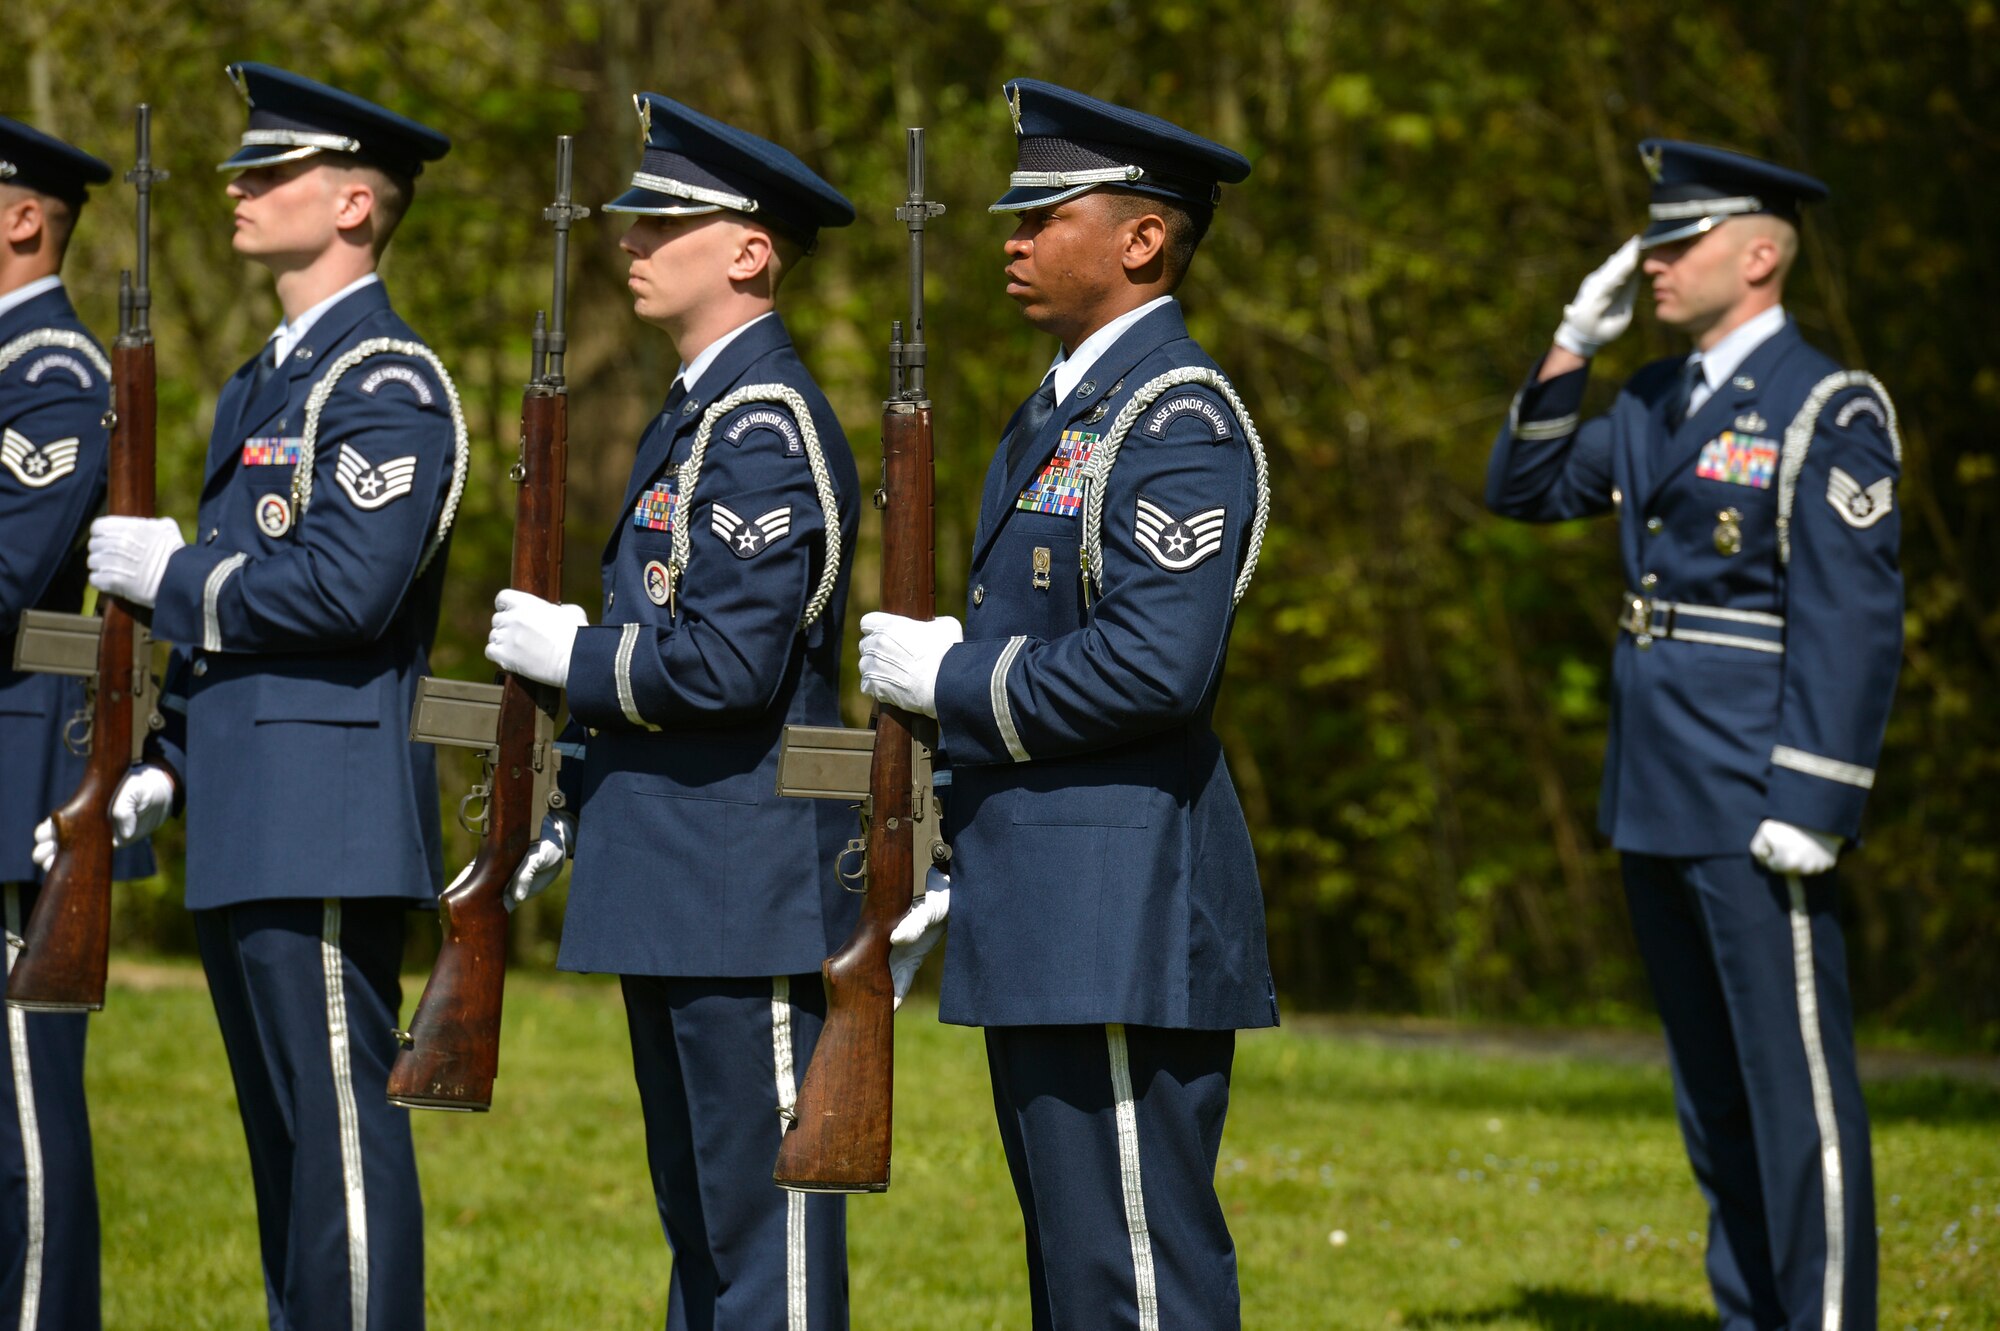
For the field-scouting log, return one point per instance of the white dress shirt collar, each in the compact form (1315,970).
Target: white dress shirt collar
(1070,369)
(293,331)
(21,295)
(1722,360)
(691,372)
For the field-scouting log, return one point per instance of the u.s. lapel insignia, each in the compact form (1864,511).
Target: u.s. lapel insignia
(1655,161)
(1013,96)
(1178,544)
(36,467)
(1085,389)
(1729,532)
(370,485)
(1752,423)
(656,582)
(274,515)
(1743,382)
(691,406)
(749,537)
(1859,506)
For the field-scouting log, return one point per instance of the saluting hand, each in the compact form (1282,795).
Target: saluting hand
(533,638)
(1783,848)
(901,657)
(128,556)
(1602,310)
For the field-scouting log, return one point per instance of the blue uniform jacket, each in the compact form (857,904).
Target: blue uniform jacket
(1101,868)
(301,639)
(52,458)
(688,862)
(1776,707)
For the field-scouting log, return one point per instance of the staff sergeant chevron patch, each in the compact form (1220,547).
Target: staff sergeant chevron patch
(371,485)
(37,466)
(745,539)
(1859,507)
(1177,544)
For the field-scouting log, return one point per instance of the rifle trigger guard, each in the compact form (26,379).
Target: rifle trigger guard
(475,824)
(857,881)
(77,734)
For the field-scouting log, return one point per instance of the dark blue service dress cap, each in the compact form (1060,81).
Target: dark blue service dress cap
(41,162)
(691,164)
(293,117)
(1071,142)
(1695,186)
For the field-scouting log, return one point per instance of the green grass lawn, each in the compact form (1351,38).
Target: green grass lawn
(1368,1186)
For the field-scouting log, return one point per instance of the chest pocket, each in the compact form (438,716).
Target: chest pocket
(265,466)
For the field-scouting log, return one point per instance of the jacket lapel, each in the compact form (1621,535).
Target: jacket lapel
(1104,378)
(1734,398)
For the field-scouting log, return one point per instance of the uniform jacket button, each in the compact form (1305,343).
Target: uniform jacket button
(979,594)
(1650,581)
(1654,524)
(213,532)
(201,667)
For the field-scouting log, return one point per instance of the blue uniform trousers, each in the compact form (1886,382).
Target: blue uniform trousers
(48,1192)
(716,1060)
(1750,975)
(1112,1134)
(307,995)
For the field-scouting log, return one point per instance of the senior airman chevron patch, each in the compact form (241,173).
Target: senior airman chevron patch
(745,539)
(371,485)
(37,465)
(1178,544)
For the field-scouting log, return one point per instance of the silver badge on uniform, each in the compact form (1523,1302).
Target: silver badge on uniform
(1729,532)
(656,582)
(1044,565)
(370,485)
(1752,423)
(1859,506)
(274,515)
(36,466)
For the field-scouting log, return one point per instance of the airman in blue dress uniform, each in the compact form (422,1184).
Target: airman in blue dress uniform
(725,583)
(1106,919)
(54,388)
(1754,484)
(303,613)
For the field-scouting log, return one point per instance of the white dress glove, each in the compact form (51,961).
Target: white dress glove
(918,932)
(1602,309)
(144,798)
(1782,848)
(128,556)
(900,658)
(544,860)
(532,637)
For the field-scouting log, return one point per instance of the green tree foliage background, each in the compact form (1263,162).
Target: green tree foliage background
(1417,698)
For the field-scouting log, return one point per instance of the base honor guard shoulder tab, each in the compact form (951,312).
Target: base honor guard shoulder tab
(1865,504)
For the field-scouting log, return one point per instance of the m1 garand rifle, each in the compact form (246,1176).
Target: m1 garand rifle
(451,1052)
(67,941)
(838,1139)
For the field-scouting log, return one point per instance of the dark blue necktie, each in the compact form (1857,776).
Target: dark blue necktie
(267,362)
(1034,415)
(1684,391)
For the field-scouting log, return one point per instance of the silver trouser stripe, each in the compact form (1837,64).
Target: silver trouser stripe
(350,1119)
(1832,769)
(1003,711)
(1536,431)
(31,1134)
(621,670)
(1144,1285)
(211,592)
(1831,1180)
(795,1202)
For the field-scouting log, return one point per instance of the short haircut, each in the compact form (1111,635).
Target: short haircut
(1184,229)
(393,192)
(58,214)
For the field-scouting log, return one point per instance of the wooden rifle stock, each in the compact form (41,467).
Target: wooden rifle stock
(66,943)
(838,1140)
(451,1052)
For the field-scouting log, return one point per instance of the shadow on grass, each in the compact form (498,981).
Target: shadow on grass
(1571,1310)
